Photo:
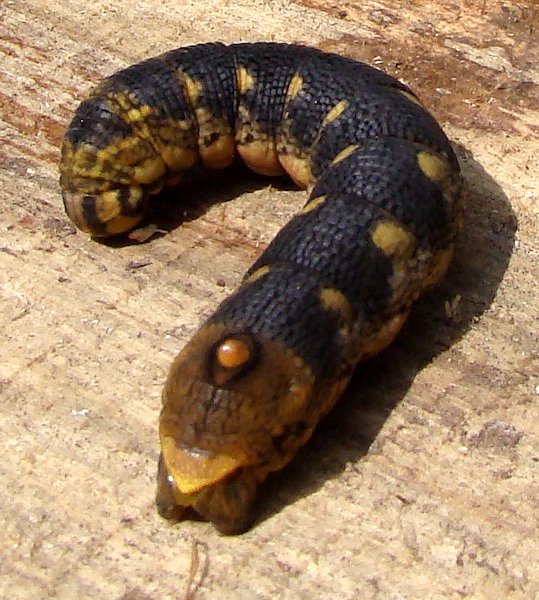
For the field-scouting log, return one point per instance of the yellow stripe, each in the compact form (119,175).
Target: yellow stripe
(296,83)
(335,112)
(411,97)
(135,115)
(312,204)
(244,80)
(345,153)
(193,89)
(257,274)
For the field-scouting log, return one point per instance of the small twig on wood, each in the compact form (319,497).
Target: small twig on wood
(194,582)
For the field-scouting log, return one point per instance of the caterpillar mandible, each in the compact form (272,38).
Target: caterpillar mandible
(336,284)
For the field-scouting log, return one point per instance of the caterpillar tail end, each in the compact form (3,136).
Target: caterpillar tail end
(105,214)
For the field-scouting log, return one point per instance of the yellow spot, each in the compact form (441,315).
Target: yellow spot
(335,112)
(194,469)
(193,89)
(410,97)
(171,130)
(334,300)
(215,140)
(233,353)
(137,114)
(313,203)
(122,224)
(219,154)
(107,206)
(257,274)
(393,239)
(178,159)
(243,121)
(108,210)
(245,80)
(298,168)
(345,153)
(135,196)
(261,157)
(204,120)
(294,87)
(149,171)
(432,166)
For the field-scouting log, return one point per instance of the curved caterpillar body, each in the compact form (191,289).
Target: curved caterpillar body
(334,286)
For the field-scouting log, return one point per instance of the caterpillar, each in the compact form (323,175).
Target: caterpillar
(336,284)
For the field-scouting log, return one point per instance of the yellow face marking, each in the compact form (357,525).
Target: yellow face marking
(245,80)
(294,87)
(194,469)
(393,239)
(432,166)
(313,203)
(335,112)
(334,300)
(232,353)
(410,97)
(345,153)
(193,89)
(257,274)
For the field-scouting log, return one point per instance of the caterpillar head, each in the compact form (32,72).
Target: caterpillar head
(235,407)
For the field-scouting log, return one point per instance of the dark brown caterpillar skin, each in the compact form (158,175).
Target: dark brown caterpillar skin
(334,286)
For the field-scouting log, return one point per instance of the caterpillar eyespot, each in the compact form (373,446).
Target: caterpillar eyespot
(232,353)
(334,286)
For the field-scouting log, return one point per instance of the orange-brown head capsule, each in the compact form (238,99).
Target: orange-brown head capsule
(225,424)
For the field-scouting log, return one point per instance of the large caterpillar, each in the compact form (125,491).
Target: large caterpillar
(335,285)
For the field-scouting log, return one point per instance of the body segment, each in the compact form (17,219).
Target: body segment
(334,286)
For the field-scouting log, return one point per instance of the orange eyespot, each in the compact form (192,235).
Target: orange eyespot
(232,353)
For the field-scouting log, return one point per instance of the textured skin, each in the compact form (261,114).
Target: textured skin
(334,286)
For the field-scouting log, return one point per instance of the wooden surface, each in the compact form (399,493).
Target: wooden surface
(423,483)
